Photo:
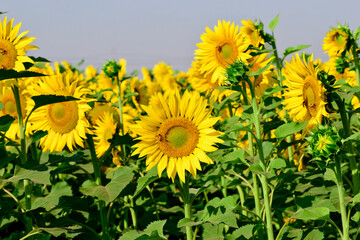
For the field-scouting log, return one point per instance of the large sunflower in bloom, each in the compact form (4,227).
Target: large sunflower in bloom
(176,134)
(65,121)
(219,48)
(304,95)
(335,42)
(13,46)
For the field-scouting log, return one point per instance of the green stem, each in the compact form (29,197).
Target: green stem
(120,106)
(100,203)
(223,186)
(350,147)
(278,69)
(132,212)
(263,179)
(23,153)
(187,207)
(344,219)
(356,62)
(251,152)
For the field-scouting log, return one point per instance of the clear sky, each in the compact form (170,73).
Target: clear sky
(145,32)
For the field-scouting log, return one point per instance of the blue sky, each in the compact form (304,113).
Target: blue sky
(145,32)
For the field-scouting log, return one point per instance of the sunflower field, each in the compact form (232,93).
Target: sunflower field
(249,143)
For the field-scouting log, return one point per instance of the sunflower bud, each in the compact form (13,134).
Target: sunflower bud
(324,142)
(111,69)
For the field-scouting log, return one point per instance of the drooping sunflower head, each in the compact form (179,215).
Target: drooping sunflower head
(13,46)
(65,121)
(304,94)
(249,29)
(335,41)
(141,97)
(219,48)
(176,134)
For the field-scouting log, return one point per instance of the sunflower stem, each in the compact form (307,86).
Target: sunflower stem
(187,206)
(356,62)
(350,147)
(100,203)
(263,179)
(23,153)
(344,219)
(121,115)
(251,152)
(280,78)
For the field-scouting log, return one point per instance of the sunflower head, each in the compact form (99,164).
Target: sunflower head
(324,142)
(252,31)
(176,133)
(13,46)
(336,41)
(219,48)
(304,96)
(111,69)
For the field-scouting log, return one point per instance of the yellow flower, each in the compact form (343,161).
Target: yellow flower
(304,95)
(139,87)
(335,42)
(162,70)
(90,72)
(13,46)
(104,129)
(176,134)
(219,48)
(252,33)
(65,121)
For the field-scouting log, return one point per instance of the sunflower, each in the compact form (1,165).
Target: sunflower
(13,46)
(219,48)
(161,70)
(176,133)
(249,29)
(335,42)
(141,97)
(104,129)
(304,95)
(65,122)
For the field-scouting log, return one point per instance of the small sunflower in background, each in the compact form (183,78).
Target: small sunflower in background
(335,41)
(65,122)
(13,46)
(104,129)
(176,134)
(304,96)
(219,48)
(249,29)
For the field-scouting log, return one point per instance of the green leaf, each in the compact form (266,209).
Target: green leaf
(256,168)
(228,218)
(5,122)
(312,213)
(291,50)
(69,232)
(120,179)
(41,177)
(288,129)
(144,181)
(267,148)
(330,175)
(235,156)
(186,222)
(39,59)
(357,33)
(277,163)
(314,234)
(259,71)
(38,135)
(156,226)
(52,200)
(245,231)
(355,136)
(356,198)
(9,74)
(273,23)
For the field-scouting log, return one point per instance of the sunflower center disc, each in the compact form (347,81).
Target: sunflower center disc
(178,137)
(8,55)
(63,117)
(226,51)
(310,96)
